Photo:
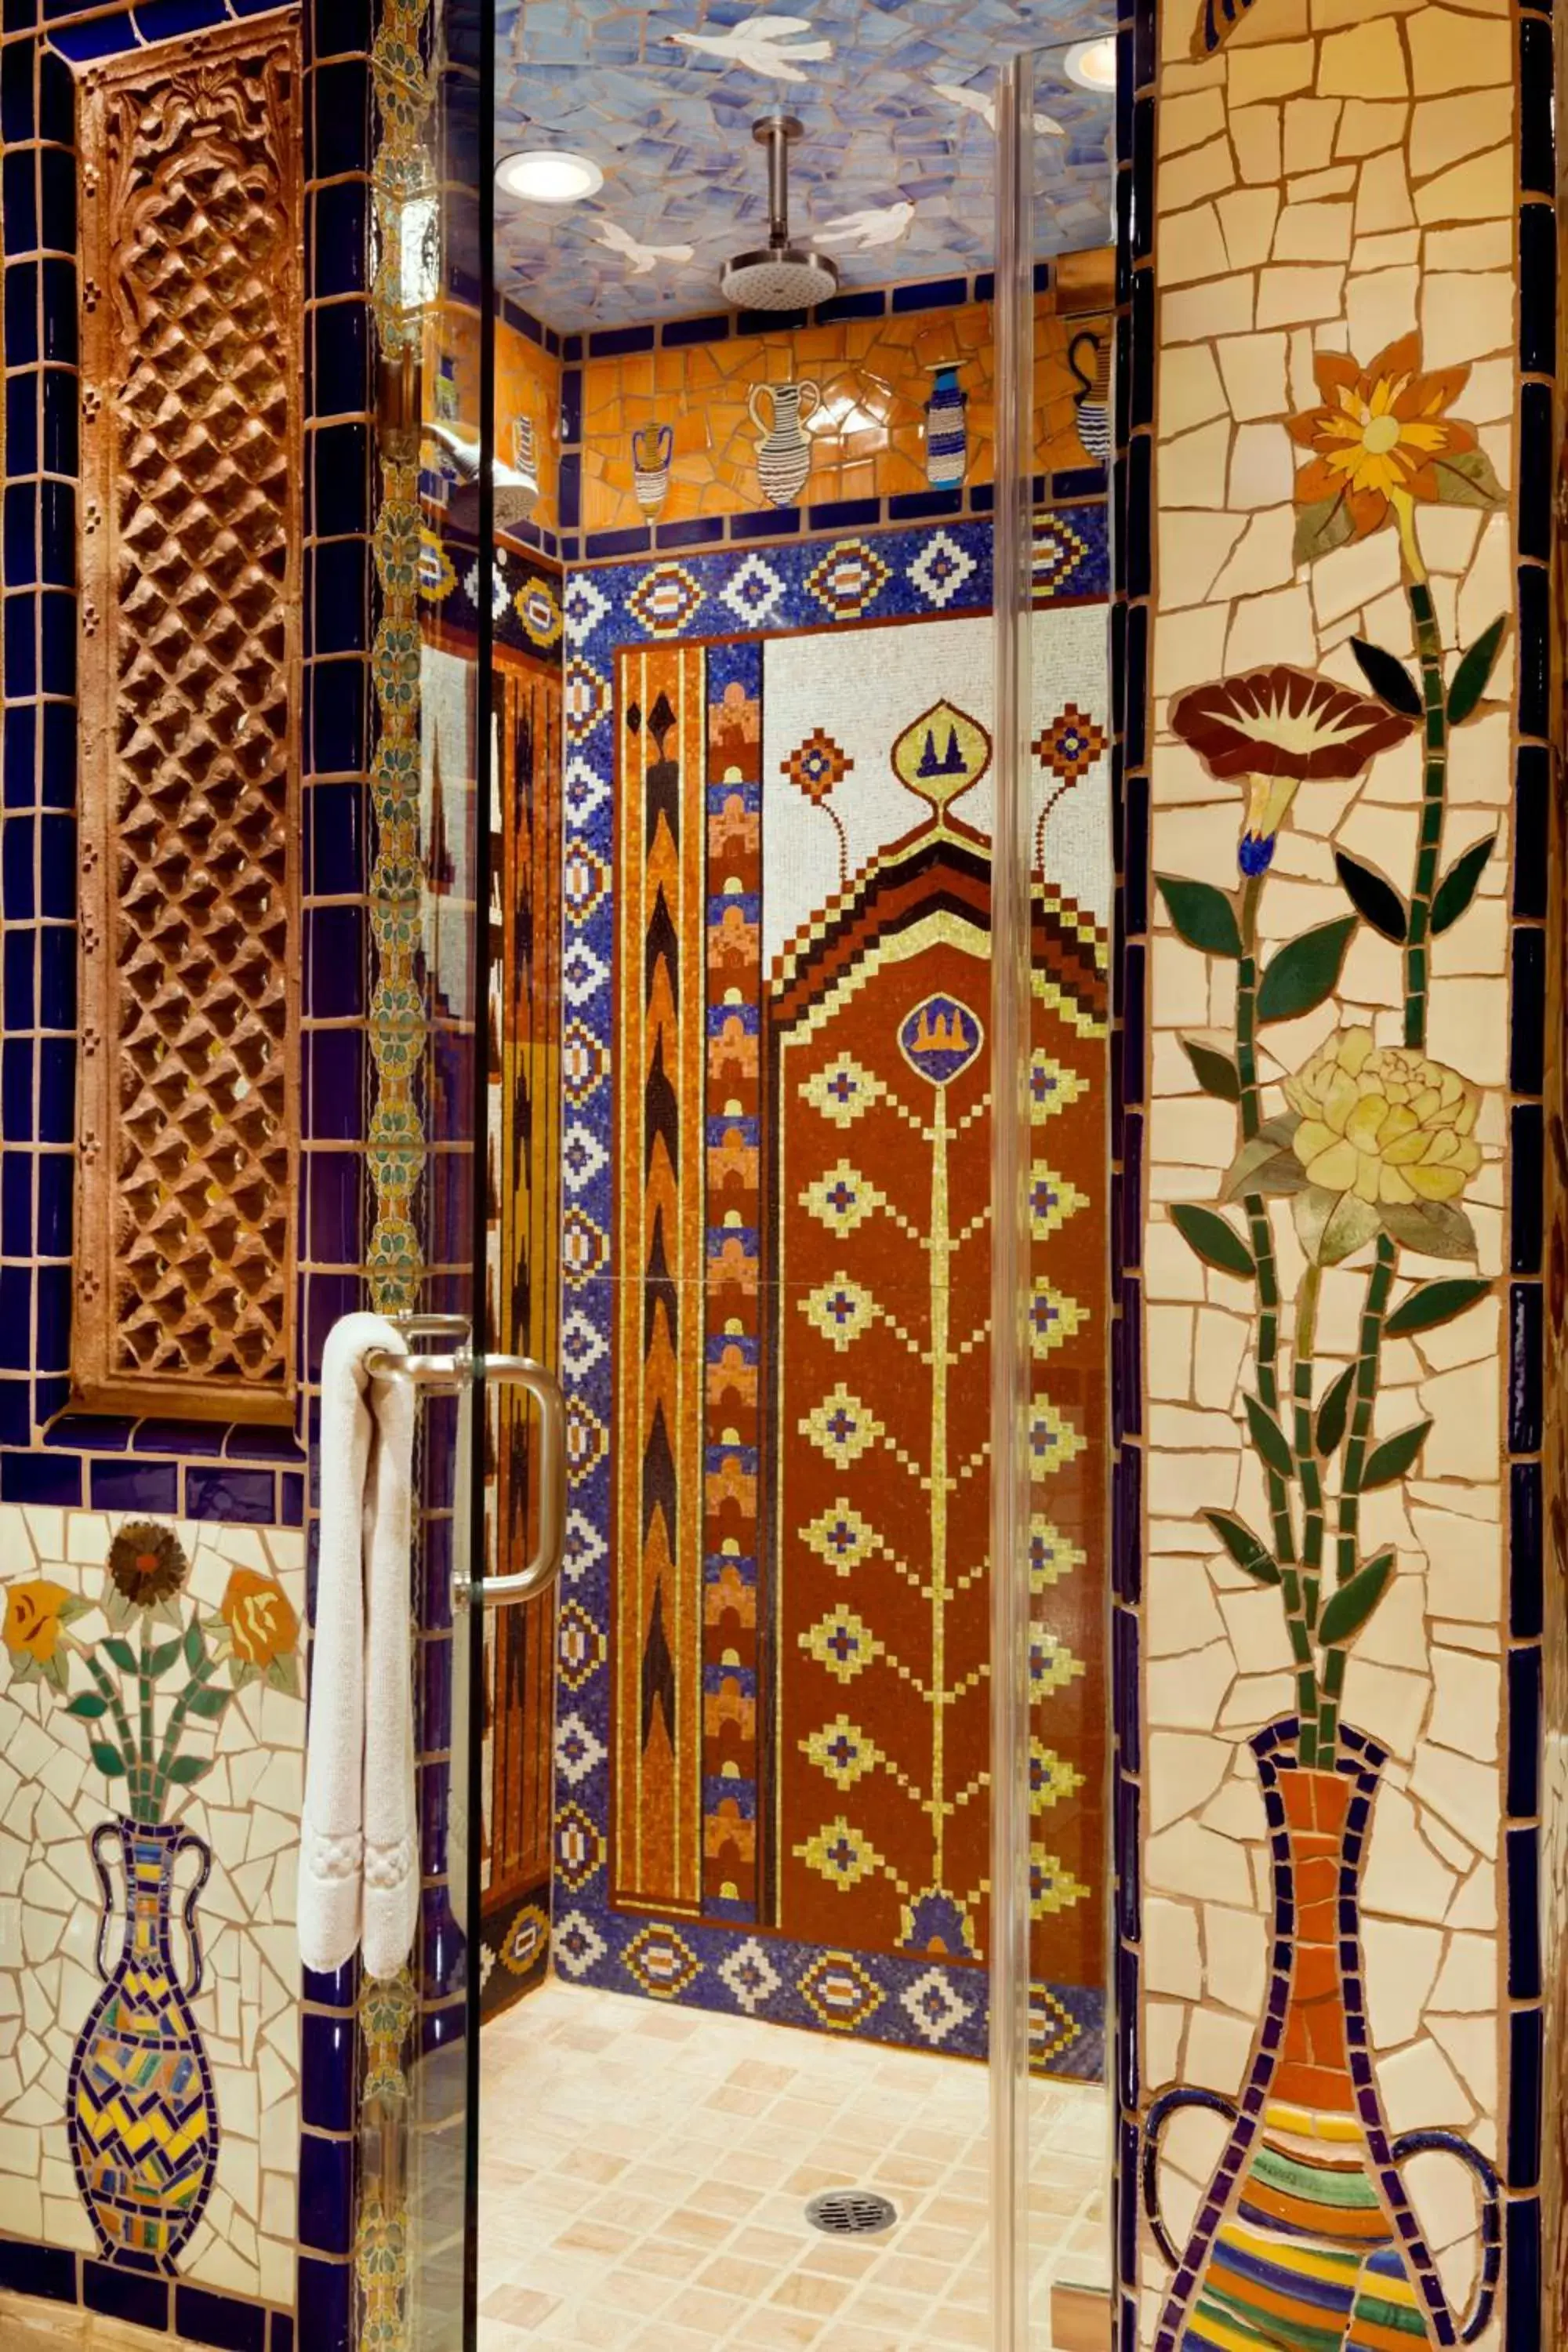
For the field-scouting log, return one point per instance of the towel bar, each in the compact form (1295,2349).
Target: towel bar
(450,1375)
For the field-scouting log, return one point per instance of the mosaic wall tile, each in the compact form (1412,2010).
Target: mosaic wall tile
(868,429)
(1330,1532)
(805,1892)
(152,1723)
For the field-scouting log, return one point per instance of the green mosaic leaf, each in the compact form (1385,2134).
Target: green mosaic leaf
(1374,898)
(1435,1228)
(1393,1458)
(1346,1610)
(121,1653)
(1334,1411)
(1215,1072)
(1321,528)
(161,1659)
(89,1706)
(109,1760)
(1458,886)
(1269,1438)
(209,1703)
(1266,1162)
(1473,673)
(1216,1242)
(1435,1303)
(187,1769)
(1305,972)
(196,1647)
(1467,479)
(1250,1554)
(1205,916)
(1388,678)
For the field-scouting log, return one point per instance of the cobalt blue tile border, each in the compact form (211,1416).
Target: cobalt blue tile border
(196,1470)
(38,855)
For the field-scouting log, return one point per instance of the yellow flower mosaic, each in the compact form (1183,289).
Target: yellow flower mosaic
(1383,1122)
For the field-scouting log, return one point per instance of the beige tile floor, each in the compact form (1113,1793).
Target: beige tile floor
(643,2172)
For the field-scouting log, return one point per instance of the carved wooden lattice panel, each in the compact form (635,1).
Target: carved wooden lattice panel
(192,373)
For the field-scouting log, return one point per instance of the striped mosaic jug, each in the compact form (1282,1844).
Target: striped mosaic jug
(1306,2235)
(140,2115)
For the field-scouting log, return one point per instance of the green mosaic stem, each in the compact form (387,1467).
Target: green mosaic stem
(1433,787)
(178,1717)
(1261,1235)
(109,1693)
(1307,1468)
(144,1687)
(1379,1285)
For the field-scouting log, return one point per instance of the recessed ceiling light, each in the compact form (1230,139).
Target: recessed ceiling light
(1092,64)
(549,176)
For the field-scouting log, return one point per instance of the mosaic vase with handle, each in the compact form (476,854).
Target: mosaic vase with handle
(140,2115)
(1092,399)
(784,453)
(1306,2233)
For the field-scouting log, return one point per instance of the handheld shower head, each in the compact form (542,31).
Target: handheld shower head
(778,276)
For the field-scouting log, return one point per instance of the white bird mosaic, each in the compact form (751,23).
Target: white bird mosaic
(978,103)
(768,45)
(878,224)
(640,260)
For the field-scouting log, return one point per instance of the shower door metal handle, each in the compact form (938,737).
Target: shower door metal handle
(455,1375)
(527,1583)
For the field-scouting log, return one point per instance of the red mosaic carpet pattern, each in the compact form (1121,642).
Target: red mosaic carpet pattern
(801,1445)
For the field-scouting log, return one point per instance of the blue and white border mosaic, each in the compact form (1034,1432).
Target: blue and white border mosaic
(898,575)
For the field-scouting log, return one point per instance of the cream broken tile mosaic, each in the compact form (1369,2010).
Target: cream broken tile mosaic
(151,1757)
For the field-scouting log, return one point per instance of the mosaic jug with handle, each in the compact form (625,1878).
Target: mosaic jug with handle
(142,2115)
(1306,2233)
(784,453)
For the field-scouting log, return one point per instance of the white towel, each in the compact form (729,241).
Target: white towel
(359,1861)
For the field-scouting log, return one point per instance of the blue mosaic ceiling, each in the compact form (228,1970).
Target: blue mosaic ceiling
(894,173)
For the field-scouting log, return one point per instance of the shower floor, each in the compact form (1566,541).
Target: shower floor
(644,2171)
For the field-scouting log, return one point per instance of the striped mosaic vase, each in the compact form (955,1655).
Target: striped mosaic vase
(1305,2239)
(140,2115)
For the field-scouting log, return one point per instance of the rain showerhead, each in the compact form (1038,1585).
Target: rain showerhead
(779,276)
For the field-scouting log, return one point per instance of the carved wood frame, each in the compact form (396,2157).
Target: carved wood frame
(97,1382)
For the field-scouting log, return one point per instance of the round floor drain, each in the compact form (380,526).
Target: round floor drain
(850,2213)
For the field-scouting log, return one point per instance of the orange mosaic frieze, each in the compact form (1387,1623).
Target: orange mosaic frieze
(867,428)
(528,399)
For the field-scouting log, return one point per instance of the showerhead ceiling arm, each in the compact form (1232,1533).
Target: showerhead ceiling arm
(778,133)
(779,276)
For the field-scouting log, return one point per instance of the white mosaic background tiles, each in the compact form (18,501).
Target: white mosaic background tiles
(52,1796)
(1342,174)
(864,687)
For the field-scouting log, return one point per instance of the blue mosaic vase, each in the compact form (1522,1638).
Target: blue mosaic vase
(947,435)
(1306,2234)
(141,2113)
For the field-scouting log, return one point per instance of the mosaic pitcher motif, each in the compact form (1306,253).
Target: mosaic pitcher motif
(947,438)
(1306,2234)
(784,453)
(141,2113)
(1092,399)
(652,448)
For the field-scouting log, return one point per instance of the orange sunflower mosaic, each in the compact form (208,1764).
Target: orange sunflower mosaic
(1380,441)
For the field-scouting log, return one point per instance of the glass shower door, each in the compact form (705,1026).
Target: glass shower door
(1051,1333)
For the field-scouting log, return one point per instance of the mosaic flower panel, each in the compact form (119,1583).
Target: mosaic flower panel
(1337,1290)
(150,2018)
(644,1771)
